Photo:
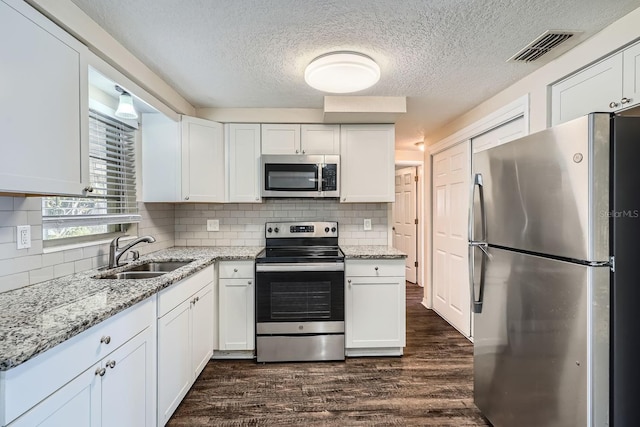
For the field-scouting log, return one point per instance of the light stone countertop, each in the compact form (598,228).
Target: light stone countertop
(36,318)
(371,252)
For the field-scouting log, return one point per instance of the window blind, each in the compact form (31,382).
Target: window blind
(113,178)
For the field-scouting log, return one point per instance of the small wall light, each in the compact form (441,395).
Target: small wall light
(125,106)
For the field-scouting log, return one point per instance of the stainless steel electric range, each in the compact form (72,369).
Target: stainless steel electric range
(300,293)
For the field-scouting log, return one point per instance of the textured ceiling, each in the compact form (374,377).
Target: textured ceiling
(446,56)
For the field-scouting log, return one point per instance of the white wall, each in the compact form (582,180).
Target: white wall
(619,34)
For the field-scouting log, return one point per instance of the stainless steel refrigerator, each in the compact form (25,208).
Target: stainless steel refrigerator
(555,275)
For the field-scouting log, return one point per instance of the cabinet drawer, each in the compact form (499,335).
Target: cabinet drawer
(172,296)
(236,269)
(375,267)
(31,382)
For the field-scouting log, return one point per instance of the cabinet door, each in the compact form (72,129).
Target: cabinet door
(631,75)
(367,163)
(374,312)
(243,146)
(236,314)
(590,90)
(320,139)
(75,404)
(280,139)
(174,360)
(128,389)
(202,324)
(43,105)
(202,160)
(161,153)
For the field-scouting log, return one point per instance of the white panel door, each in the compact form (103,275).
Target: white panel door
(405,215)
(236,314)
(593,89)
(174,360)
(202,324)
(128,392)
(631,75)
(202,160)
(243,146)
(451,171)
(320,139)
(280,139)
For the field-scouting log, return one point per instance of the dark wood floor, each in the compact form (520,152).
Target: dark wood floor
(431,385)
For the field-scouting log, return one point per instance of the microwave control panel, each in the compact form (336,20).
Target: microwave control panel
(330,177)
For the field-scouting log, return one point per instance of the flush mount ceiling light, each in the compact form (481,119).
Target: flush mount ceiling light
(342,72)
(125,106)
(420,145)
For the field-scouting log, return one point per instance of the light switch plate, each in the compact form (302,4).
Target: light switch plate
(24,237)
(367,224)
(213,225)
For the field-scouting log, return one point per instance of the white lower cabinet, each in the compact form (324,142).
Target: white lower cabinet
(375,307)
(236,309)
(185,338)
(115,385)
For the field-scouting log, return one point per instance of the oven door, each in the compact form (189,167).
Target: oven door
(300,298)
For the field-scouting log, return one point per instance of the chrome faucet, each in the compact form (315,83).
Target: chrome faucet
(115,252)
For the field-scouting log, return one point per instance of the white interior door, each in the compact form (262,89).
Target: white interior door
(404,219)
(451,174)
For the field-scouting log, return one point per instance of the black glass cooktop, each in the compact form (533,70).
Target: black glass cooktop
(301,254)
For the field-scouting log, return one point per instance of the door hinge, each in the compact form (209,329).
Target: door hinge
(415,221)
(415,178)
(415,264)
(612,264)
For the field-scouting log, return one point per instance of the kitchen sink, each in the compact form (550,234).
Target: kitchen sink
(159,266)
(147,270)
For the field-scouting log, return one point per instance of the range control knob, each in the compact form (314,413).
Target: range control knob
(333,229)
(326,229)
(276,229)
(269,230)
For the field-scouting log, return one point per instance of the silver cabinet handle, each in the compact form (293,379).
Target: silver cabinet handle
(88,189)
(257,199)
(376,268)
(106,339)
(111,363)
(197,299)
(613,104)
(303,152)
(296,151)
(344,199)
(186,198)
(625,100)
(101,371)
(249,282)
(235,270)
(349,282)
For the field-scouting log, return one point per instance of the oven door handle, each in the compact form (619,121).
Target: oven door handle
(290,267)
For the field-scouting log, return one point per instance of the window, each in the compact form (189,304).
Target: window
(112,204)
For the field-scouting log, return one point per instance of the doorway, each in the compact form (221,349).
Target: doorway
(405,219)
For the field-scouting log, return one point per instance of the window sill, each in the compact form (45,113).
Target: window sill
(63,247)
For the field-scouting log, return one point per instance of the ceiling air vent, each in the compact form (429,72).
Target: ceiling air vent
(542,45)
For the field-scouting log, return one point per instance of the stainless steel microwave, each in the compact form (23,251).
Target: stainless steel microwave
(300,176)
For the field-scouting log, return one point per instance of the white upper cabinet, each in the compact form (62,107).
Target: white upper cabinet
(243,172)
(202,160)
(320,139)
(182,161)
(280,139)
(43,105)
(610,85)
(367,157)
(631,75)
(300,139)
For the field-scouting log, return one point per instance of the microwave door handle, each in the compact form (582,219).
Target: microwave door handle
(320,184)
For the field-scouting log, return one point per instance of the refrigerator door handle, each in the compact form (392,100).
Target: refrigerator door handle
(477,181)
(476,304)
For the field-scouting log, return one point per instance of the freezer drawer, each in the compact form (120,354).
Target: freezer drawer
(541,341)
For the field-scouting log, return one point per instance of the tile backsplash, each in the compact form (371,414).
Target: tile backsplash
(174,225)
(22,267)
(243,224)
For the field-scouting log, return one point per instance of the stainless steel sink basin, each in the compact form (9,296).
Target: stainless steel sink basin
(134,275)
(159,266)
(147,270)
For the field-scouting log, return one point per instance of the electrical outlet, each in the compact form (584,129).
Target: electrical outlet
(24,237)
(367,224)
(213,225)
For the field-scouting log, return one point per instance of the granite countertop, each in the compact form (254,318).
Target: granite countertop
(370,252)
(38,317)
